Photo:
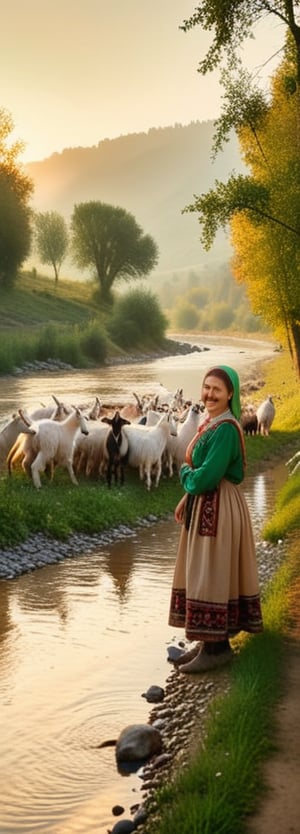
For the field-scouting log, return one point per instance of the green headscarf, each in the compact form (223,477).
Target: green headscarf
(234,403)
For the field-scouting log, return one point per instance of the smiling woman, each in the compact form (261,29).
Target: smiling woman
(215,592)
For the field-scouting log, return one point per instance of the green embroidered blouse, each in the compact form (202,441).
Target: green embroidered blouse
(216,455)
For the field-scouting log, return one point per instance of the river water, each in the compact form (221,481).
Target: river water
(82,640)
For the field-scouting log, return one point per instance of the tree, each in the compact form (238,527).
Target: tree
(262,209)
(108,239)
(51,239)
(15,214)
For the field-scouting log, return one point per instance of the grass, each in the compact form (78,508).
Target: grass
(60,509)
(35,301)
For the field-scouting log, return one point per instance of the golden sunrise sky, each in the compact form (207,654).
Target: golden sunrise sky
(74,72)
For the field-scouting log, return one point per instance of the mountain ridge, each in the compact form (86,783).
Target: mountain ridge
(153,175)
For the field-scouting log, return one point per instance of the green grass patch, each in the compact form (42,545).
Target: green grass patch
(286,518)
(59,508)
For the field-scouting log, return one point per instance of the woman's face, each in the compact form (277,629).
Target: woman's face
(215,395)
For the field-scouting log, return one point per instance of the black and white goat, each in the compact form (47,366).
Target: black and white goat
(116,448)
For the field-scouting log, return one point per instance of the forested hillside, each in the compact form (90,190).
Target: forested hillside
(153,175)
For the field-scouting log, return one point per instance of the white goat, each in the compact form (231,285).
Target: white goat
(152,418)
(293,464)
(265,416)
(19,422)
(45,411)
(56,443)
(185,433)
(89,452)
(146,446)
(26,445)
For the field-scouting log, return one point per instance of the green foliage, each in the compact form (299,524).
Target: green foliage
(261,208)
(52,240)
(15,191)
(64,325)
(94,342)
(230,22)
(109,240)
(219,205)
(137,320)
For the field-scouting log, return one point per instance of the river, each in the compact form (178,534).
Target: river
(82,640)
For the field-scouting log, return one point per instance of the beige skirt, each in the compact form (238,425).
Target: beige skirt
(215,592)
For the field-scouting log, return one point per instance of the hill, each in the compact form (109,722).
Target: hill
(153,175)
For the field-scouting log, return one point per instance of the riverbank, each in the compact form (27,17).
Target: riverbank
(145,665)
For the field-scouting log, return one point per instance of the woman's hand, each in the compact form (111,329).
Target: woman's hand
(179,510)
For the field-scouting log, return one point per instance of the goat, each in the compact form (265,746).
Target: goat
(56,443)
(133,411)
(45,411)
(26,446)
(293,464)
(152,418)
(249,422)
(116,448)
(185,433)
(19,422)
(89,451)
(265,416)
(146,446)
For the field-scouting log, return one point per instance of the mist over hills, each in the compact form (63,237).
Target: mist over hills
(153,175)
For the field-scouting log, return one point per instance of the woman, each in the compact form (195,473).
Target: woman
(215,590)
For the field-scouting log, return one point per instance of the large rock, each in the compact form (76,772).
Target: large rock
(138,742)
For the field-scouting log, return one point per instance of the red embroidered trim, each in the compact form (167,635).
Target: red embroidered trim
(209,513)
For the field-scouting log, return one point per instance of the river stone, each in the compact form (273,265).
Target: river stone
(117,810)
(154,694)
(123,827)
(138,742)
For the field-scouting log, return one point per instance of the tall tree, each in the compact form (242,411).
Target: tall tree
(52,239)
(15,214)
(263,209)
(108,239)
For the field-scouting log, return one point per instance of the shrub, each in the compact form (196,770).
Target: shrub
(137,320)
(94,342)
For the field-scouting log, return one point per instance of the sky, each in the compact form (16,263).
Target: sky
(74,72)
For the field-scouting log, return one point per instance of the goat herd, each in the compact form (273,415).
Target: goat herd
(98,442)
